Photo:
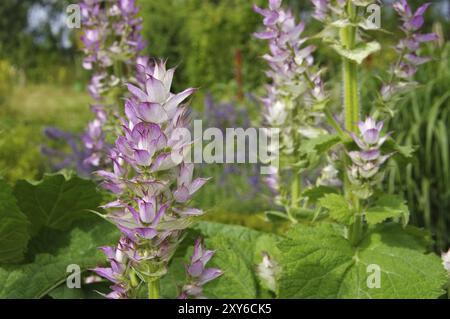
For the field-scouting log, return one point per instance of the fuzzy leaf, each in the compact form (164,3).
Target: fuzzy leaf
(313,148)
(238,251)
(13,227)
(48,271)
(318,262)
(338,208)
(387,206)
(359,53)
(317,192)
(56,201)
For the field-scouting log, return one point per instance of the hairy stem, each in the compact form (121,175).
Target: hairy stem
(153,289)
(351,107)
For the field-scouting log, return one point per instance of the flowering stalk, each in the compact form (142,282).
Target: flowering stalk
(197,273)
(151,179)
(112,43)
(407,49)
(365,170)
(296,95)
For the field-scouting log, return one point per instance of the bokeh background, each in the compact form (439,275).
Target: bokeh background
(42,84)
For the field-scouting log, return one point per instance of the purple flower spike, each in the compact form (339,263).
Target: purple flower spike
(112,30)
(403,71)
(367,161)
(151,179)
(295,82)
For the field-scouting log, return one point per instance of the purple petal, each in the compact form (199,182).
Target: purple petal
(146,233)
(176,99)
(137,92)
(108,251)
(196,184)
(156,90)
(209,274)
(152,112)
(370,155)
(181,194)
(105,273)
(371,136)
(426,37)
(142,157)
(196,269)
(357,141)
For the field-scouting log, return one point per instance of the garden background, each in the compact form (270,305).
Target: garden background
(42,84)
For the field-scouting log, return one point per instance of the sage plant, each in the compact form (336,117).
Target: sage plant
(400,75)
(295,97)
(340,230)
(112,43)
(297,103)
(153,184)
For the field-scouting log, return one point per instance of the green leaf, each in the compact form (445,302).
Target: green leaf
(317,192)
(13,227)
(238,251)
(56,201)
(359,53)
(406,152)
(313,148)
(338,208)
(91,291)
(238,280)
(318,262)
(387,206)
(48,271)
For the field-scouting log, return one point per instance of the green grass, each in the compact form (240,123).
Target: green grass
(23,117)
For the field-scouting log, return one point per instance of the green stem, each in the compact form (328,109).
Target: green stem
(350,74)
(351,106)
(153,289)
(295,190)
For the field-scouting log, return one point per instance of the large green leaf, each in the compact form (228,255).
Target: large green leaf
(56,201)
(238,280)
(13,227)
(48,271)
(318,262)
(238,251)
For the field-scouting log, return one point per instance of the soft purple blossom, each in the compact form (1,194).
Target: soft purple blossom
(119,258)
(198,274)
(296,93)
(111,36)
(152,182)
(403,71)
(367,161)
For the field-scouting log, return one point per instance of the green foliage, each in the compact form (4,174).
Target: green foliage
(312,149)
(48,271)
(387,206)
(13,227)
(56,201)
(338,207)
(359,53)
(205,37)
(238,251)
(45,221)
(318,262)
(422,122)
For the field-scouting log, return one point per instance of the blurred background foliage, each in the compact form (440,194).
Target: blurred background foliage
(42,84)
